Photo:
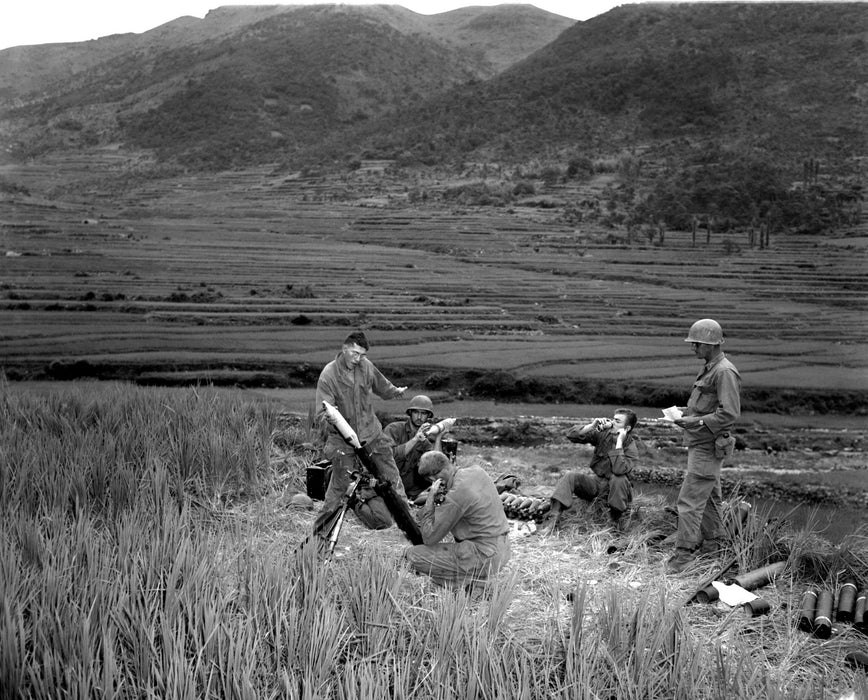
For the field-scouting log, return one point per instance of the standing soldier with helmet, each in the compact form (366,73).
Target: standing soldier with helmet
(411,442)
(712,409)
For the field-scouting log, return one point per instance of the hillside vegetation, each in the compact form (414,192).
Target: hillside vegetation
(245,85)
(780,77)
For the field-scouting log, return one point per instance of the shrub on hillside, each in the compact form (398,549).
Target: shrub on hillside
(579,167)
(478,194)
(523,187)
(495,384)
(436,380)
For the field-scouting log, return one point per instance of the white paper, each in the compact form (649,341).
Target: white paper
(733,594)
(672,413)
(518,530)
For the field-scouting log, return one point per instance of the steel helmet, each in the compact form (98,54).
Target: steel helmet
(421,403)
(707,331)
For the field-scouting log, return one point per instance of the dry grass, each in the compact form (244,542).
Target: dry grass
(547,575)
(193,584)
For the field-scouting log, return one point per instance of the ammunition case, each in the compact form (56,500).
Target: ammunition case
(758,577)
(317,478)
(707,595)
(823,615)
(808,610)
(756,607)
(859,621)
(846,602)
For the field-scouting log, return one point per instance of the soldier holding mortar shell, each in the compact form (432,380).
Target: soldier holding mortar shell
(348,383)
(413,437)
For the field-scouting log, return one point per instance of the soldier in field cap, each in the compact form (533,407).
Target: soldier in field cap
(712,409)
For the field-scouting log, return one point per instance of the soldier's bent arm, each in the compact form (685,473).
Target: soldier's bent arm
(728,403)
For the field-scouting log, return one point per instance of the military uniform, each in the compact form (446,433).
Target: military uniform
(472,511)
(351,391)
(610,472)
(407,456)
(715,398)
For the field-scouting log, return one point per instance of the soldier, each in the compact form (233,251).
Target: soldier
(349,382)
(615,455)
(712,409)
(472,511)
(411,442)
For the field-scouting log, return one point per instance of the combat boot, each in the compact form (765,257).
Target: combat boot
(550,521)
(711,547)
(669,540)
(619,524)
(679,561)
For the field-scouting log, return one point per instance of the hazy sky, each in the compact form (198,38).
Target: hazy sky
(25,22)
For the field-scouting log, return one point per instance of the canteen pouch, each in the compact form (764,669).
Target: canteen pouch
(724,445)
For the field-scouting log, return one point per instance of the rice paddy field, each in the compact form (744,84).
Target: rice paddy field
(256,270)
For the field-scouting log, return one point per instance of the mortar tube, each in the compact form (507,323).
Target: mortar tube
(808,610)
(859,621)
(756,607)
(846,602)
(758,577)
(823,615)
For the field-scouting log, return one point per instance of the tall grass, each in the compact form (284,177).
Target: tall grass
(122,575)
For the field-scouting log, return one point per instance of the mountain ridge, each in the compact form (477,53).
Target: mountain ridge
(757,91)
(296,73)
(758,75)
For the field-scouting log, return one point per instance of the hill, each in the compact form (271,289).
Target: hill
(244,83)
(668,84)
(778,78)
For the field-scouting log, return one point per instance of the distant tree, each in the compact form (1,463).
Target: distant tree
(579,167)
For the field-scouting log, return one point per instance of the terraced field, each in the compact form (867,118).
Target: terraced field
(257,270)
